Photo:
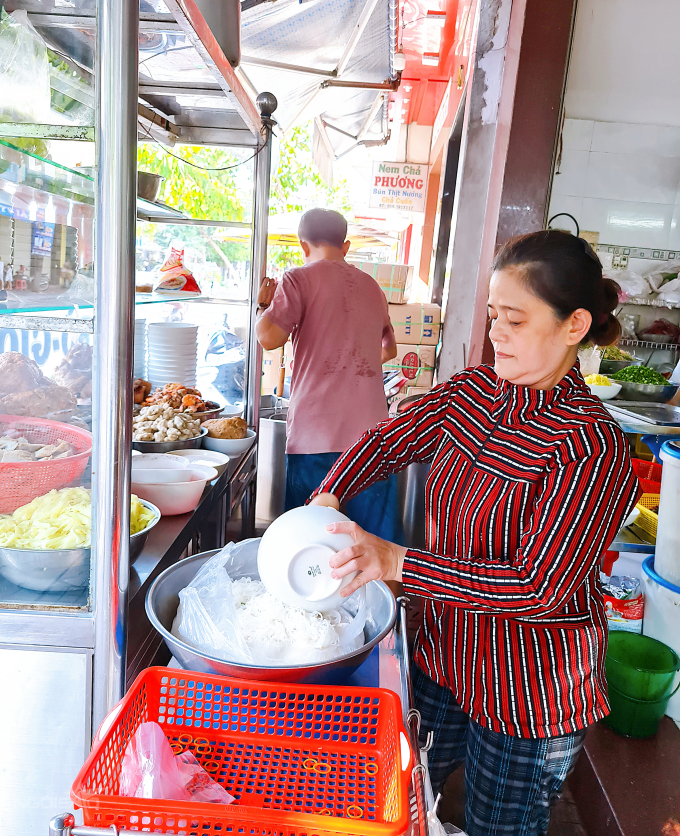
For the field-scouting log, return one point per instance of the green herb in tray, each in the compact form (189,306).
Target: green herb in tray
(640,374)
(611,352)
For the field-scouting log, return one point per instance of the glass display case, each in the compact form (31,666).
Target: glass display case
(80,259)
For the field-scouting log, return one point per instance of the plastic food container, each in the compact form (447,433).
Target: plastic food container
(648,474)
(662,617)
(293,559)
(667,556)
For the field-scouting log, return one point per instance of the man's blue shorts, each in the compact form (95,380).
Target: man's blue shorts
(376,509)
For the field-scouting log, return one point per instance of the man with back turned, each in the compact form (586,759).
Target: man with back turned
(341,332)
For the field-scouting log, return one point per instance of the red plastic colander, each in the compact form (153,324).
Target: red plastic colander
(24,481)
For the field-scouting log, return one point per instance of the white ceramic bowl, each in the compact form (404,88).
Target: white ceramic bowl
(177,374)
(163,335)
(206,458)
(172,363)
(230,446)
(172,476)
(605,393)
(163,328)
(176,498)
(169,350)
(156,461)
(293,558)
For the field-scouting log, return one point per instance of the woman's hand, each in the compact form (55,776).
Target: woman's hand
(373,558)
(327,500)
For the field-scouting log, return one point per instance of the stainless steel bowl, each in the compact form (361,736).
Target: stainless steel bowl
(613,366)
(169,446)
(162,601)
(646,392)
(148,185)
(61,570)
(208,414)
(138,540)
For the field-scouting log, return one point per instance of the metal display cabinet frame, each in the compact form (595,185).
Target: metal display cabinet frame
(67,666)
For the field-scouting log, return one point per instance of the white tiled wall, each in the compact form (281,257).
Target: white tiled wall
(621,180)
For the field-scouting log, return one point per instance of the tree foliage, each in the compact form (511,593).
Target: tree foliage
(204,195)
(200,194)
(296,186)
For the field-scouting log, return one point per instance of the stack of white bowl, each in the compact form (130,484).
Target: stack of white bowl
(140,348)
(172,349)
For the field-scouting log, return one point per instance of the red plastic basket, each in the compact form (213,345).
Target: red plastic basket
(300,760)
(648,474)
(24,481)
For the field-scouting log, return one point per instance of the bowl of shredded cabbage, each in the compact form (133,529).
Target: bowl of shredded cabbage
(45,545)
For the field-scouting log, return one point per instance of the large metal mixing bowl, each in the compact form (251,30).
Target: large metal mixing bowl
(646,392)
(162,601)
(61,570)
(168,446)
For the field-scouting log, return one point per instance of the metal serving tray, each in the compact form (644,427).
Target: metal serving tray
(661,414)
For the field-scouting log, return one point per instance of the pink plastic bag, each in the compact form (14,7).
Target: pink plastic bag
(151,770)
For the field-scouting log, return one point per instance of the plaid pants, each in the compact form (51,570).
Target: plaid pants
(511,782)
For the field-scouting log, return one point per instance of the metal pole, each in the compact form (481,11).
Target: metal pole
(412,721)
(267,104)
(117,60)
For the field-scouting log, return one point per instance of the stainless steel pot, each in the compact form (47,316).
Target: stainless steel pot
(148,185)
(162,601)
(271,465)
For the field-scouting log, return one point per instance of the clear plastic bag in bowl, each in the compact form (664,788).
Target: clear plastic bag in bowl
(210,619)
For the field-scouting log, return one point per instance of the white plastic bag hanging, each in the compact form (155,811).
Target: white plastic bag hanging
(24,71)
(226,613)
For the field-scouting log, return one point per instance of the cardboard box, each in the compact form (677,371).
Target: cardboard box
(416,390)
(416,324)
(394,279)
(271,363)
(416,363)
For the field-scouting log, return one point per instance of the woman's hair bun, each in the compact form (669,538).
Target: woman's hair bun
(607,328)
(566,274)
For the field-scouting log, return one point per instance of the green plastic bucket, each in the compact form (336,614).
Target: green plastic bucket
(640,667)
(634,718)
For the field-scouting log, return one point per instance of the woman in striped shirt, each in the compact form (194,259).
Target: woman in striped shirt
(530,481)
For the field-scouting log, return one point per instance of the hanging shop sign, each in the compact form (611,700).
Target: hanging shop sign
(401,186)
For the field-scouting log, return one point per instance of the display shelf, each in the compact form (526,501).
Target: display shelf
(674,347)
(12,596)
(651,303)
(44,175)
(46,318)
(638,252)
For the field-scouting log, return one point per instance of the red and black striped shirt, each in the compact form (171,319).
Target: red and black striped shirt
(526,490)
